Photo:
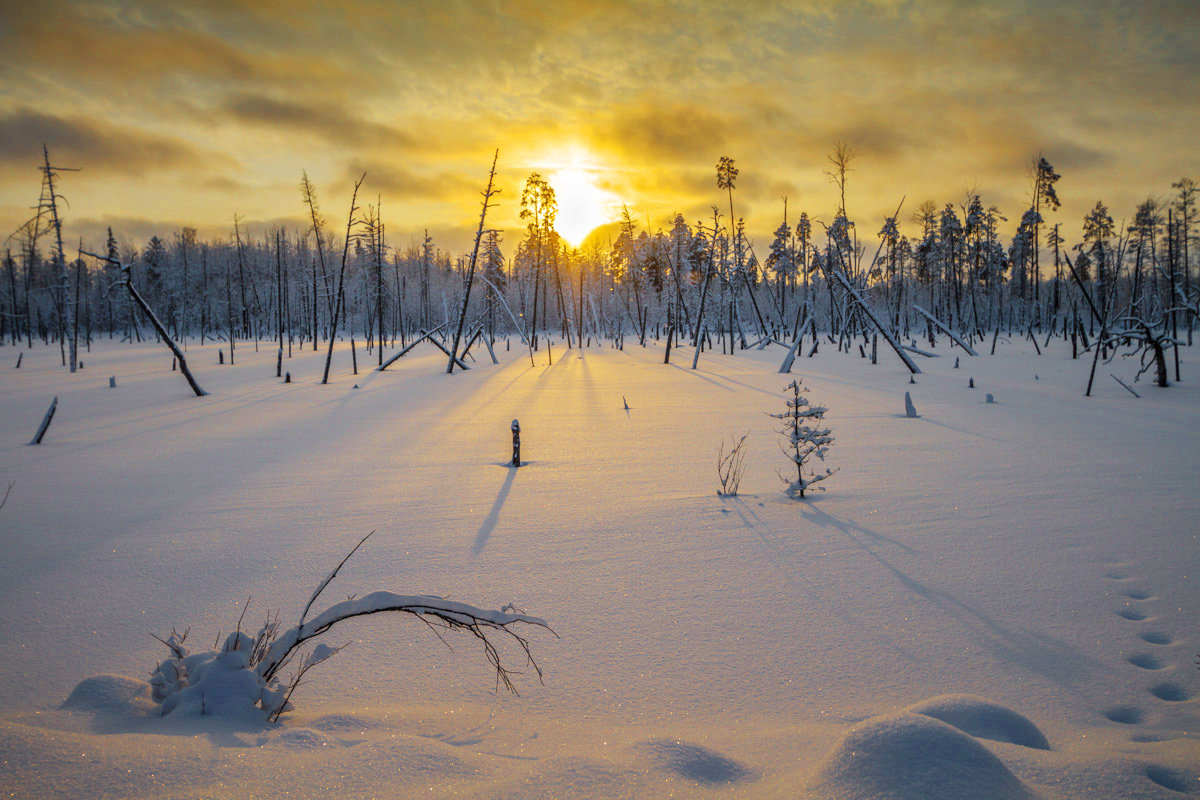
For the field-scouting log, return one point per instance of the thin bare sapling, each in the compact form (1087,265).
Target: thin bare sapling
(731,464)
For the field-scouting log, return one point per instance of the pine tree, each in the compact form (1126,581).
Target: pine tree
(780,259)
(154,257)
(1098,228)
(803,440)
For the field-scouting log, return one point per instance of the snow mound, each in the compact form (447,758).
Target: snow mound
(110,694)
(983,719)
(912,757)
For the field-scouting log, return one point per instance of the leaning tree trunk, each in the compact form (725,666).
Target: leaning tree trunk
(162,332)
(158,326)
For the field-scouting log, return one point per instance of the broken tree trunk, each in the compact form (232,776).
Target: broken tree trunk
(41,431)
(953,336)
(423,335)
(870,312)
(158,326)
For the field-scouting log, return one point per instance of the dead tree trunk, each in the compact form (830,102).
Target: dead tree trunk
(870,312)
(158,326)
(41,431)
(341,279)
(462,316)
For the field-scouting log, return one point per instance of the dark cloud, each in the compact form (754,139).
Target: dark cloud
(399,184)
(95,145)
(332,122)
(675,132)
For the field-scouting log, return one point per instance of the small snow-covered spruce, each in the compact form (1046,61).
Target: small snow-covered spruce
(803,440)
(242,678)
(731,464)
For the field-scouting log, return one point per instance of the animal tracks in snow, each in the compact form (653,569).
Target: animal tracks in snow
(1166,691)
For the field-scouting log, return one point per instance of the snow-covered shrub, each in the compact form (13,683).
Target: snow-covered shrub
(244,677)
(803,440)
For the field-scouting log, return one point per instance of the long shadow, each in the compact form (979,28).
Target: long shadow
(1039,653)
(489,523)
(696,374)
(926,419)
(748,386)
(959,430)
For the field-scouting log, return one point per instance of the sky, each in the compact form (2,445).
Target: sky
(189,113)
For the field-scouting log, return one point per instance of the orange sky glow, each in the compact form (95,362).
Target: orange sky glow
(185,114)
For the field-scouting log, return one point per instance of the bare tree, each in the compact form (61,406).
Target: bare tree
(342,277)
(488,193)
(840,159)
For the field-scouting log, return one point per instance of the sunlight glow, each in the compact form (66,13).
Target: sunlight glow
(583,205)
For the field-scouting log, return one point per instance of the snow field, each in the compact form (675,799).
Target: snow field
(1039,552)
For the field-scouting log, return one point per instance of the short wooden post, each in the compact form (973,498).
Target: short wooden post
(516,432)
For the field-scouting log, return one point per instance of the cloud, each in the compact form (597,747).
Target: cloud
(400,184)
(933,95)
(671,131)
(95,145)
(330,121)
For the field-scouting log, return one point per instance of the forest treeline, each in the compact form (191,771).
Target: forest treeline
(965,269)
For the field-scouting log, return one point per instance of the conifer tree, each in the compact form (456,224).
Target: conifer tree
(803,439)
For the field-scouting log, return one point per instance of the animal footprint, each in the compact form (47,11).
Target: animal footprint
(1174,779)
(1131,613)
(1126,715)
(1136,594)
(1146,661)
(1154,637)
(1117,575)
(1171,692)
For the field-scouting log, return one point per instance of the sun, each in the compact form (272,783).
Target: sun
(583,205)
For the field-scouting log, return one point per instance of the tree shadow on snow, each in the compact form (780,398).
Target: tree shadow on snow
(493,517)
(924,418)
(1036,652)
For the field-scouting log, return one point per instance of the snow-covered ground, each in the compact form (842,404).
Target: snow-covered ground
(1039,553)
